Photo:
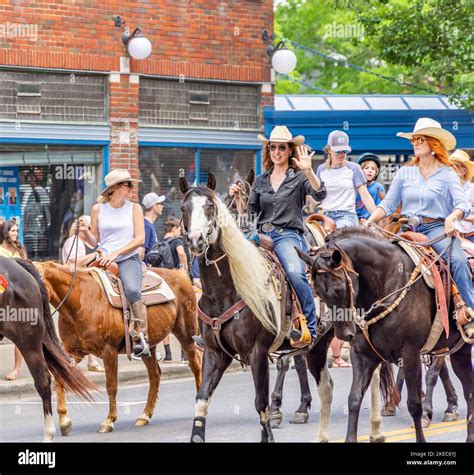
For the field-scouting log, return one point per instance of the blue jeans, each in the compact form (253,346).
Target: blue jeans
(460,268)
(131,275)
(284,242)
(343,219)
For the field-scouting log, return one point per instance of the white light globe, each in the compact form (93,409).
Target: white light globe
(284,61)
(139,47)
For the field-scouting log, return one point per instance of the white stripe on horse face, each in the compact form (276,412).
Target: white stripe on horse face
(199,222)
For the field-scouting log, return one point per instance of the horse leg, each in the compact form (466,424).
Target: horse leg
(431,379)
(194,356)
(461,361)
(451,412)
(413,376)
(301,415)
(110,359)
(276,416)
(362,370)
(154,375)
(65,422)
(36,363)
(376,435)
(261,379)
(392,410)
(318,368)
(214,365)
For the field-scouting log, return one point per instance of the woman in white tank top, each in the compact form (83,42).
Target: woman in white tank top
(117,228)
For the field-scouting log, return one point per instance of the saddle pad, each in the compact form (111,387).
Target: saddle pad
(415,257)
(316,231)
(158,294)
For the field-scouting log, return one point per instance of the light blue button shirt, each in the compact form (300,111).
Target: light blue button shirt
(436,197)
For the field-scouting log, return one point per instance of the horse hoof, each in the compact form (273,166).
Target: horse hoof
(388,411)
(379,439)
(140,422)
(66,428)
(275,419)
(425,422)
(106,427)
(323,440)
(196,439)
(300,418)
(450,417)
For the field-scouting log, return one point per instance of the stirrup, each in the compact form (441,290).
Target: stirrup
(300,337)
(142,347)
(464,336)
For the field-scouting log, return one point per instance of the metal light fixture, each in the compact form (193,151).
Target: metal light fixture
(283,59)
(137,44)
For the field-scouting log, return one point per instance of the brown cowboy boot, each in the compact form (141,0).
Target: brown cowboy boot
(140,346)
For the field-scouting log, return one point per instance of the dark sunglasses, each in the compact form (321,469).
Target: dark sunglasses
(281,148)
(127,183)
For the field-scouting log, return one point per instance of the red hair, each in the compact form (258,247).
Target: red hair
(440,153)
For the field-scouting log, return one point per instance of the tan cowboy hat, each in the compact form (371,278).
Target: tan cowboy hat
(463,157)
(119,175)
(431,128)
(280,133)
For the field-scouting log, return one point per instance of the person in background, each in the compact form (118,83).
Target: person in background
(153,205)
(84,254)
(370,164)
(10,246)
(465,170)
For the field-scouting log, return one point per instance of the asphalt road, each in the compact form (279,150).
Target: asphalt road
(232,416)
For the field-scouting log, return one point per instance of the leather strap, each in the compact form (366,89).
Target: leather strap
(125,320)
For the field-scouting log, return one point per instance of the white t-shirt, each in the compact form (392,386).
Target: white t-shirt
(465,226)
(341,185)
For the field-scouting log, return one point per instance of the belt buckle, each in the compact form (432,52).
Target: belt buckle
(267,227)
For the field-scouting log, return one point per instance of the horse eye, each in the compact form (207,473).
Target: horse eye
(182,208)
(209,232)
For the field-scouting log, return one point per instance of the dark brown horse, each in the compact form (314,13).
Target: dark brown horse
(89,325)
(28,324)
(352,272)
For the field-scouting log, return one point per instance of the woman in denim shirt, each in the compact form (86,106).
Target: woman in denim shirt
(277,200)
(434,200)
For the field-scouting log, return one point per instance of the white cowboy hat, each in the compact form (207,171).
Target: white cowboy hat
(119,175)
(280,133)
(431,128)
(463,157)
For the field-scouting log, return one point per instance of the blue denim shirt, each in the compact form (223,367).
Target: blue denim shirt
(436,197)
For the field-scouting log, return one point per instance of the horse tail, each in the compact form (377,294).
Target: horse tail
(60,365)
(388,388)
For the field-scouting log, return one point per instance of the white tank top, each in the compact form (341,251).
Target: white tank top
(116,228)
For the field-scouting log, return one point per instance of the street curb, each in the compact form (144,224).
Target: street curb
(19,389)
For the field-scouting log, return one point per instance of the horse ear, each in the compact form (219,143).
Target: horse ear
(304,257)
(211,181)
(336,258)
(183,182)
(251,177)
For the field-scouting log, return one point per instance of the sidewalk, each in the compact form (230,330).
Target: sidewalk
(129,371)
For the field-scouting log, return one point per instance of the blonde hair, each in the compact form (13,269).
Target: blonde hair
(328,161)
(469,175)
(105,198)
(249,271)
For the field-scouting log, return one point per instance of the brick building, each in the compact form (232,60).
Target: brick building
(74,105)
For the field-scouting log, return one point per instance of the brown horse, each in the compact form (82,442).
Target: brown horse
(88,324)
(25,296)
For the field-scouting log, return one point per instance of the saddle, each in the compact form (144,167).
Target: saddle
(154,289)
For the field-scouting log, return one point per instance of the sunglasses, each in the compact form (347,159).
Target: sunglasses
(129,184)
(281,148)
(417,140)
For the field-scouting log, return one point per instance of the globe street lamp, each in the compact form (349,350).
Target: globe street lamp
(283,59)
(137,44)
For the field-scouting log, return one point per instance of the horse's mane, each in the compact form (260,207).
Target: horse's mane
(248,268)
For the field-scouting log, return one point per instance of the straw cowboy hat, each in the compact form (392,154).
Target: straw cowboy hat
(463,157)
(280,133)
(431,128)
(119,175)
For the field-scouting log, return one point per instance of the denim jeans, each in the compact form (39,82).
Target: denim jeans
(460,268)
(131,275)
(343,219)
(284,242)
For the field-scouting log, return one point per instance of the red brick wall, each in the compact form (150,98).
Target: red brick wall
(197,38)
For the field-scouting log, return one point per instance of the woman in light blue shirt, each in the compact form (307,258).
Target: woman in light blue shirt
(433,199)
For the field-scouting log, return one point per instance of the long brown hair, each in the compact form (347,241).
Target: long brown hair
(440,153)
(4,237)
(267,161)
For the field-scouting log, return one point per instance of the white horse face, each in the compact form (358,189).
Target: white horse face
(200,222)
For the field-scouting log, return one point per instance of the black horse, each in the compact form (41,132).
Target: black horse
(355,269)
(29,325)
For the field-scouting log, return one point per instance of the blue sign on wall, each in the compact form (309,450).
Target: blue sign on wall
(10,206)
